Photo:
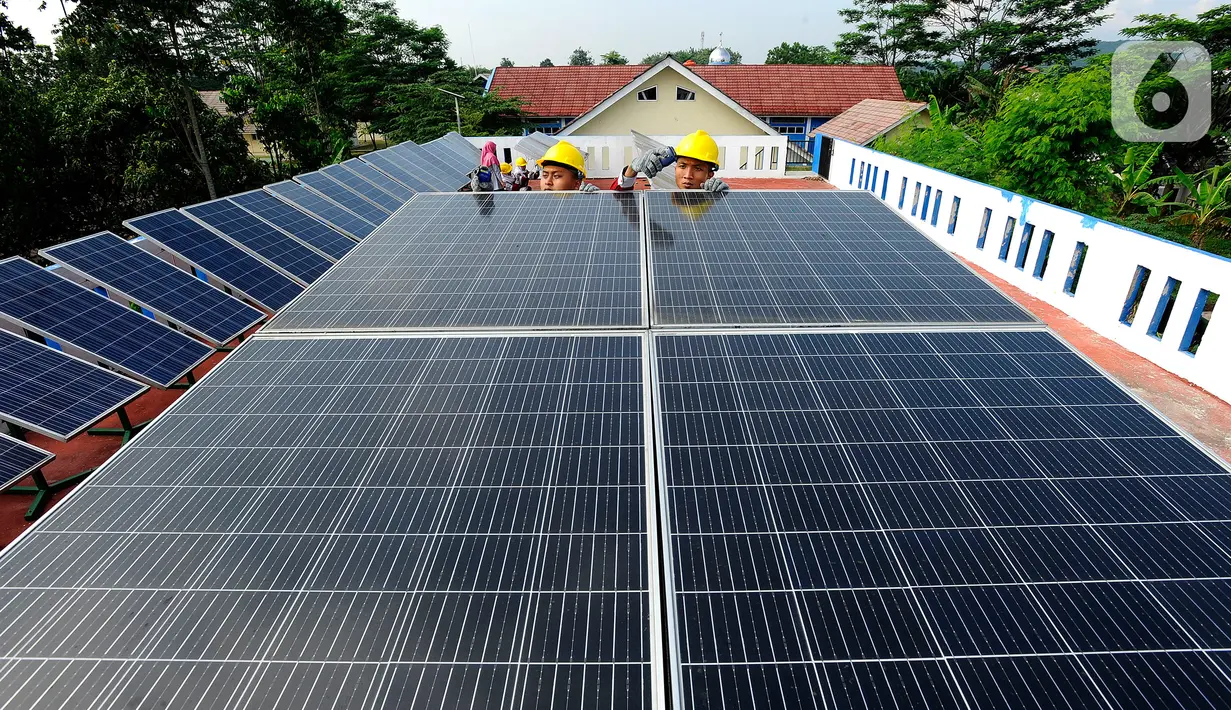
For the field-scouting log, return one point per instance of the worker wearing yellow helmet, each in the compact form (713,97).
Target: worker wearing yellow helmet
(520,177)
(563,167)
(695,158)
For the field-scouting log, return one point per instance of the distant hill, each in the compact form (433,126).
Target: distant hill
(1106,46)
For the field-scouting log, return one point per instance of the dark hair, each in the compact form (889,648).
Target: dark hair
(575,171)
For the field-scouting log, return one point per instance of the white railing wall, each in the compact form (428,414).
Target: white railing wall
(1090,269)
(738,156)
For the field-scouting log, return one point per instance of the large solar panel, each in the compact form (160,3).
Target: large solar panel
(469,260)
(54,307)
(355,183)
(443,154)
(442,177)
(468,151)
(17,458)
(145,279)
(55,394)
(344,196)
(358,522)
(218,257)
(263,240)
(399,169)
(933,519)
(819,257)
(374,176)
(326,210)
(296,222)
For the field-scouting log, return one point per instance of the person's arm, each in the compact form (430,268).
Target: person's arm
(624,182)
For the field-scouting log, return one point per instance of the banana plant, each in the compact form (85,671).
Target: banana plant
(1134,182)
(1208,202)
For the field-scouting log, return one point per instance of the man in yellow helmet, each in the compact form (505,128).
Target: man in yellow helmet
(520,177)
(696,161)
(563,167)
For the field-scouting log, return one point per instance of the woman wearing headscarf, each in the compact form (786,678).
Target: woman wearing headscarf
(486,177)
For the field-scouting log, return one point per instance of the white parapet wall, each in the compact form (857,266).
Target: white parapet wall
(739,156)
(1121,283)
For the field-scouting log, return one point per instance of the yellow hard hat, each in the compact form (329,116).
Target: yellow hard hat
(521,162)
(698,146)
(565,153)
(506,168)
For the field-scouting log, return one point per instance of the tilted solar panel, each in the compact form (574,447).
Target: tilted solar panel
(374,176)
(458,144)
(399,169)
(261,239)
(820,257)
(42,302)
(296,222)
(326,210)
(17,458)
(480,260)
(355,183)
(443,154)
(934,519)
(344,196)
(444,178)
(126,269)
(359,522)
(218,257)
(55,394)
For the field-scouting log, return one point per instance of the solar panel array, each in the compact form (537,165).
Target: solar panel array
(124,268)
(328,211)
(54,394)
(470,260)
(54,307)
(261,239)
(221,259)
(339,193)
(297,223)
(762,450)
(17,459)
(814,257)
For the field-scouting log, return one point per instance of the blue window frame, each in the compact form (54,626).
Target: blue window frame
(1024,248)
(927,199)
(1135,290)
(902,197)
(1040,263)
(957,205)
(885,186)
(936,207)
(1075,266)
(1166,303)
(1198,321)
(987,220)
(851,179)
(1006,242)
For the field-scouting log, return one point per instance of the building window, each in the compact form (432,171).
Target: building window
(682,94)
(789,130)
(648,94)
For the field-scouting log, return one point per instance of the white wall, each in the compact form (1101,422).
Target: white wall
(737,155)
(1108,274)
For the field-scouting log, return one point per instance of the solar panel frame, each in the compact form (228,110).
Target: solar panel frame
(339,217)
(653,647)
(420,163)
(669,553)
(277,249)
(374,193)
(107,390)
(18,459)
(467,151)
(448,157)
(297,318)
(329,188)
(222,262)
(850,265)
(399,169)
(138,330)
(293,220)
(376,177)
(201,295)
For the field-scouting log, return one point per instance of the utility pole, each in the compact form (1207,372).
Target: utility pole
(456,106)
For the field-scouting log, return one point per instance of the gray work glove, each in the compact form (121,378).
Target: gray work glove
(715,185)
(650,163)
(587,187)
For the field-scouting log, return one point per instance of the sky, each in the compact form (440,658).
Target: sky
(484,32)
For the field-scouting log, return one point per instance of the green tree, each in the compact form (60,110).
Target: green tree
(613,58)
(999,34)
(942,144)
(506,62)
(699,55)
(580,58)
(1205,210)
(796,53)
(1132,183)
(1212,29)
(887,32)
(420,113)
(546,63)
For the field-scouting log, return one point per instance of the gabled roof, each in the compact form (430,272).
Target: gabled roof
(763,89)
(868,120)
(668,62)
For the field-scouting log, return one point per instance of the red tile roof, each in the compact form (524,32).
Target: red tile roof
(868,119)
(765,90)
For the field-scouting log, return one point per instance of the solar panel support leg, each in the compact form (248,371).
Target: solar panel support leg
(239,340)
(127,428)
(190,380)
(43,490)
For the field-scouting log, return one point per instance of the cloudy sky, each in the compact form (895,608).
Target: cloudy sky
(483,32)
